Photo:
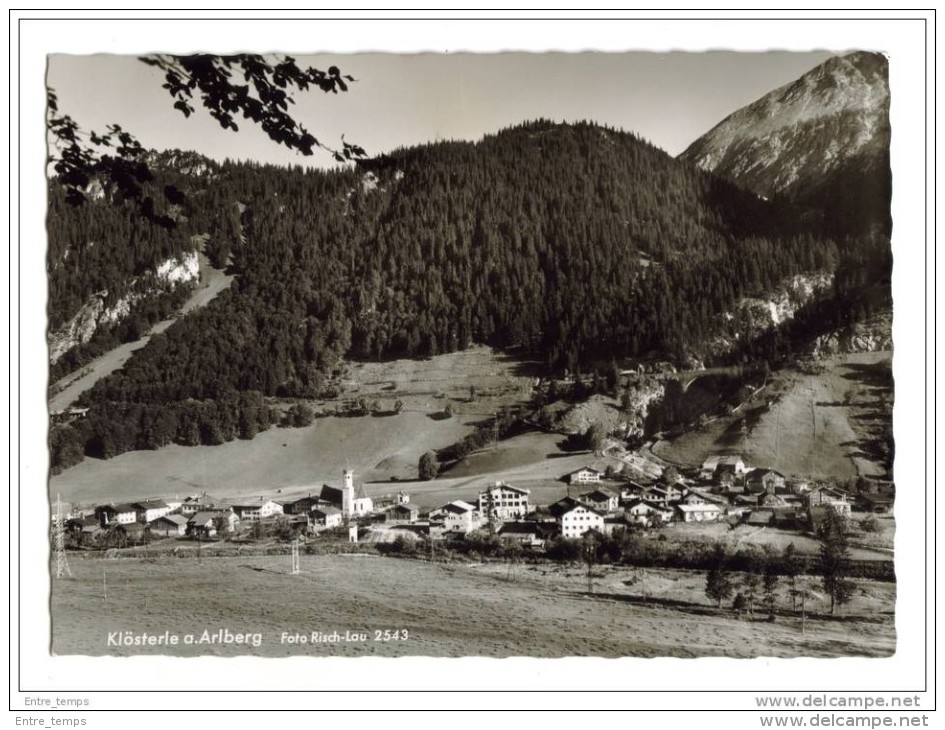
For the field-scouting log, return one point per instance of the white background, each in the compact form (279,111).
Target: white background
(902,41)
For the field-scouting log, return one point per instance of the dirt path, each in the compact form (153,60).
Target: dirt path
(212,282)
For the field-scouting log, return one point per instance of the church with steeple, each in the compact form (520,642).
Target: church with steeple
(351,498)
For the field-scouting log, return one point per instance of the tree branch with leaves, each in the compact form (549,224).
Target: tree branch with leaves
(253,87)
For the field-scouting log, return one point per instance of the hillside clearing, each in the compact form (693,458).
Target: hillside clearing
(276,460)
(815,427)
(378,448)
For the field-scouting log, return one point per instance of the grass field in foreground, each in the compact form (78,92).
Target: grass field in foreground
(447,609)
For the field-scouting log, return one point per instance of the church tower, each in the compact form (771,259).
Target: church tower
(347,494)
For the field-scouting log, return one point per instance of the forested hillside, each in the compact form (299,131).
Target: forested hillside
(580,243)
(108,263)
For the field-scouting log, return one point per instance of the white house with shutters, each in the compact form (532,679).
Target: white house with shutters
(503,502)
(257,509)
(643,511)
(116,514)
(575,518)
(149,510)
(587,475)
(458,516)
(703,512)
(601,499)
(326,516)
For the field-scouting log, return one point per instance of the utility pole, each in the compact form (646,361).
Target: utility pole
(804,607)
(59,531)
(296,569)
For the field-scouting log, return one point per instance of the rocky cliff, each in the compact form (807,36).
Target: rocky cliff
(96,313)
(874,335)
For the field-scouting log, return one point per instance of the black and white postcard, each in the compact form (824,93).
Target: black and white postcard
(533,353)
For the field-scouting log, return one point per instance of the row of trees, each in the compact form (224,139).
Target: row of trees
(127,426)
(761,578)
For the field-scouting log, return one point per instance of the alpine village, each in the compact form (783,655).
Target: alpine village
(550,393)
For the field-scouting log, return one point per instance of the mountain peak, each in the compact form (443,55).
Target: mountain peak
(803,130)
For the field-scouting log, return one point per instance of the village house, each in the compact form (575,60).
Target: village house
(831,497)
(731,463)
(117,514)
(691,497)
(256,509)
(326,517)
(384,502)
(528,533)
(204,524)
(586,475)
(503,502)
(660,495)
(169,526)
(797,486)
(764,480)
(457,517)
(746,500)
(790,516)
(643,511)
(724,470)
(401,514)
(771,500)
(612,523)
(722,500)
(706,512)
(601,499)
(149,510)
(298,524)
(574,518)
(197,503)
(674,492)
(85,528)
(135,533)
(631,491)
(301,506)
(707,471)
(76,524)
